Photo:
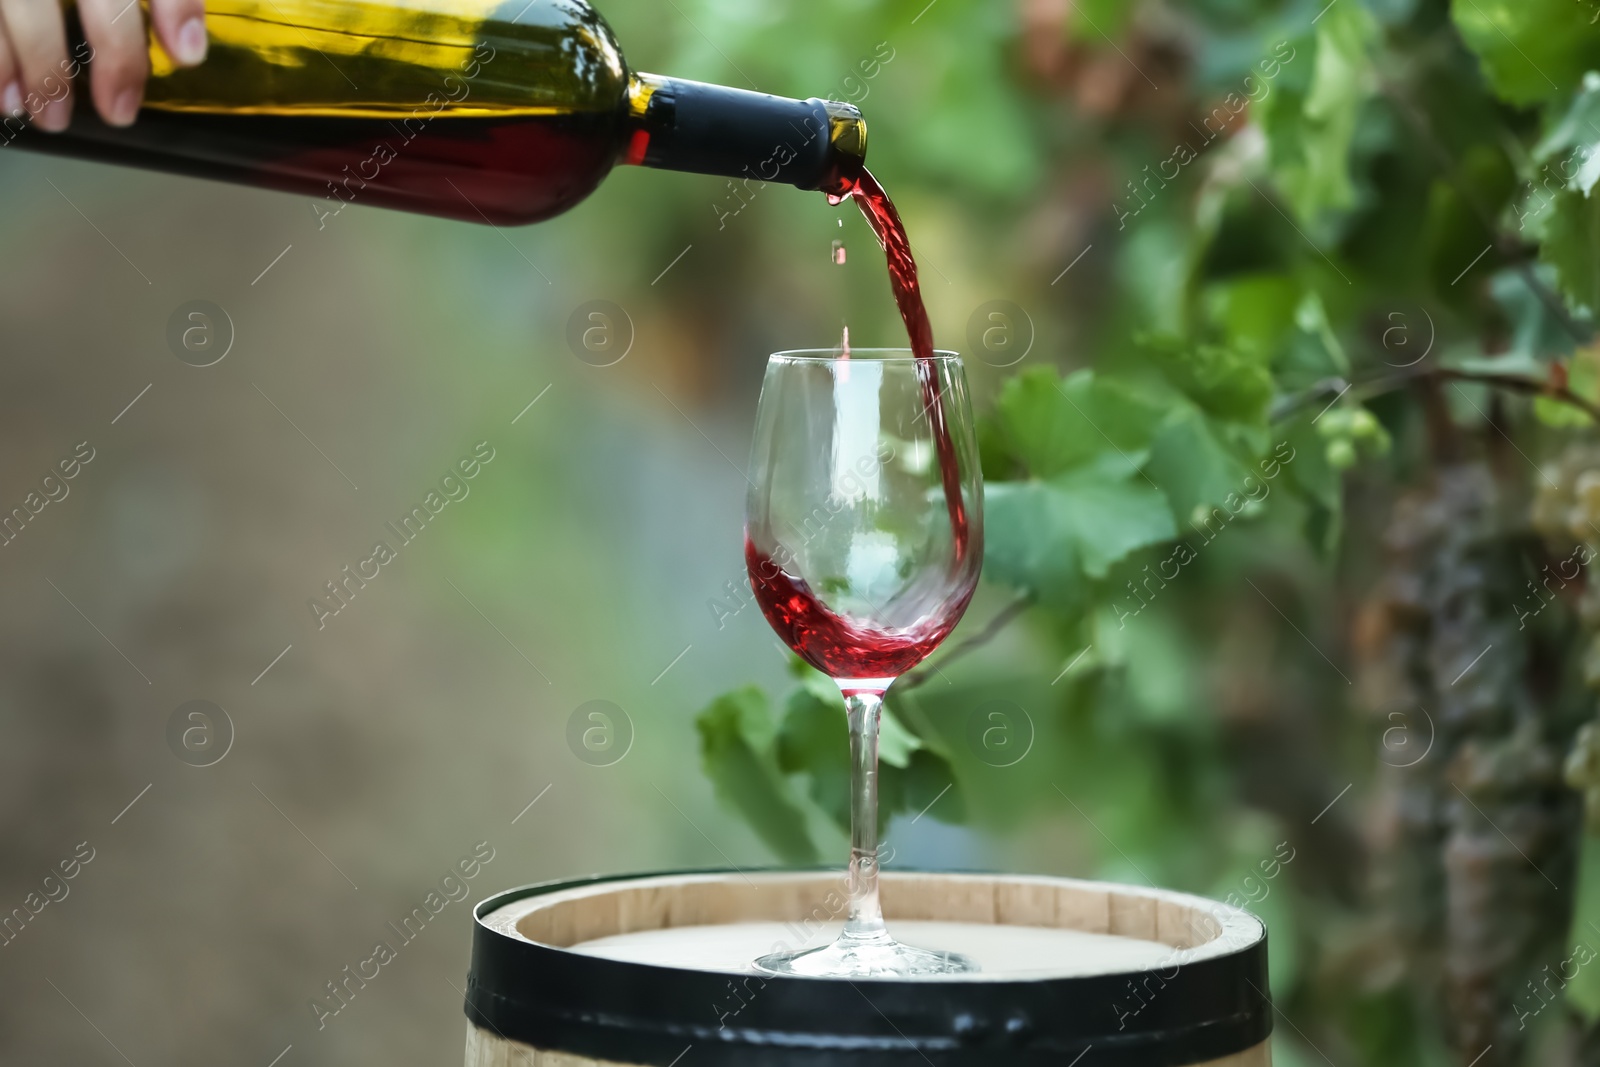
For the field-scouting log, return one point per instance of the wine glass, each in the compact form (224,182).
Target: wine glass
(863,541)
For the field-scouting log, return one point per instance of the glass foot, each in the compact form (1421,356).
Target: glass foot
(856,958)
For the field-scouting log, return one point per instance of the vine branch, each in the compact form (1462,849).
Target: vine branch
(1517,383)
(1334,388)
(1002,619)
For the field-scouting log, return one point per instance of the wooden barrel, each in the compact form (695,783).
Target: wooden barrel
(541,994)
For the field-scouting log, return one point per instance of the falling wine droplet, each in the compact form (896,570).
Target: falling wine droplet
(844,344)
(838,253)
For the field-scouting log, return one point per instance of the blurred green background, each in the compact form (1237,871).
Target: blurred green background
(1295,721)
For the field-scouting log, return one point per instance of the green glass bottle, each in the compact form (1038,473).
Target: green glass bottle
(506,113)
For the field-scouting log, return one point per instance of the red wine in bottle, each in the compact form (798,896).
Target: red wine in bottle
(488,112)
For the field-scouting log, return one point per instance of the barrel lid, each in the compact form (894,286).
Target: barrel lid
(1208,1002)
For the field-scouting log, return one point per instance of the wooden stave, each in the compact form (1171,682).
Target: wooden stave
(485,1049)
(1180,1031)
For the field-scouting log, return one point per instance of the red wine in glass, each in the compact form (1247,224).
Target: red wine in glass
(831,643)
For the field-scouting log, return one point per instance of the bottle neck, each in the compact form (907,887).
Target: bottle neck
(674,124)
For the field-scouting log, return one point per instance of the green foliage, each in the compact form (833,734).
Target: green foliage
(1558,209)
(1538,336)
(1572,247)
(1257,310)
(735,748)
(1311,121)
(1049,535)
(1094,20)
(1228,382)
(1567,154)
(1192,465)
(813,740)
(1045,421)
(1087,504)
(1583,994)
(1415,193)
(755,764)
(1317,481)
(1531,50)
(1020,549)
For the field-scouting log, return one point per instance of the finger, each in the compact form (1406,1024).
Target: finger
(39,41)
(181,25)
(10,86)
(115,30)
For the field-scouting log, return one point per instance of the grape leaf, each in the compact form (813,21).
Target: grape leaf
(1046,535)
(1318,482)
(1111,511)
(1192,466)
(814,740)
(1559,415)
(994,450)
(1311,319)
(1572,246)
(930,786)
(1537,335)
(1053,424)
(1530,50)
(1311,123)
(1254,309)
(1549,211)
(1023,547)
(811,733)
(1228,382)
(1568,150)
(735,733)
(895,742)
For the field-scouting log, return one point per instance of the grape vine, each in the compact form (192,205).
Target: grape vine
(1239,521)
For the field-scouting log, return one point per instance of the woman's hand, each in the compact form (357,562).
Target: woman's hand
(37,74)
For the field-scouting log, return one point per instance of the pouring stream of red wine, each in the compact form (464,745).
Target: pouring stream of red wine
(828,642)
(885,222)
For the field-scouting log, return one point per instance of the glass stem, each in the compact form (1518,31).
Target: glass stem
(866,911)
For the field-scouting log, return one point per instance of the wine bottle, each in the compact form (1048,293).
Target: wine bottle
(506,113)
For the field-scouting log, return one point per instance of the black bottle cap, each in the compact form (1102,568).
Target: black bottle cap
(712,129)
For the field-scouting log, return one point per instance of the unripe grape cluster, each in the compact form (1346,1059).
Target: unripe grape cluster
(1566,506)
(1348,432)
